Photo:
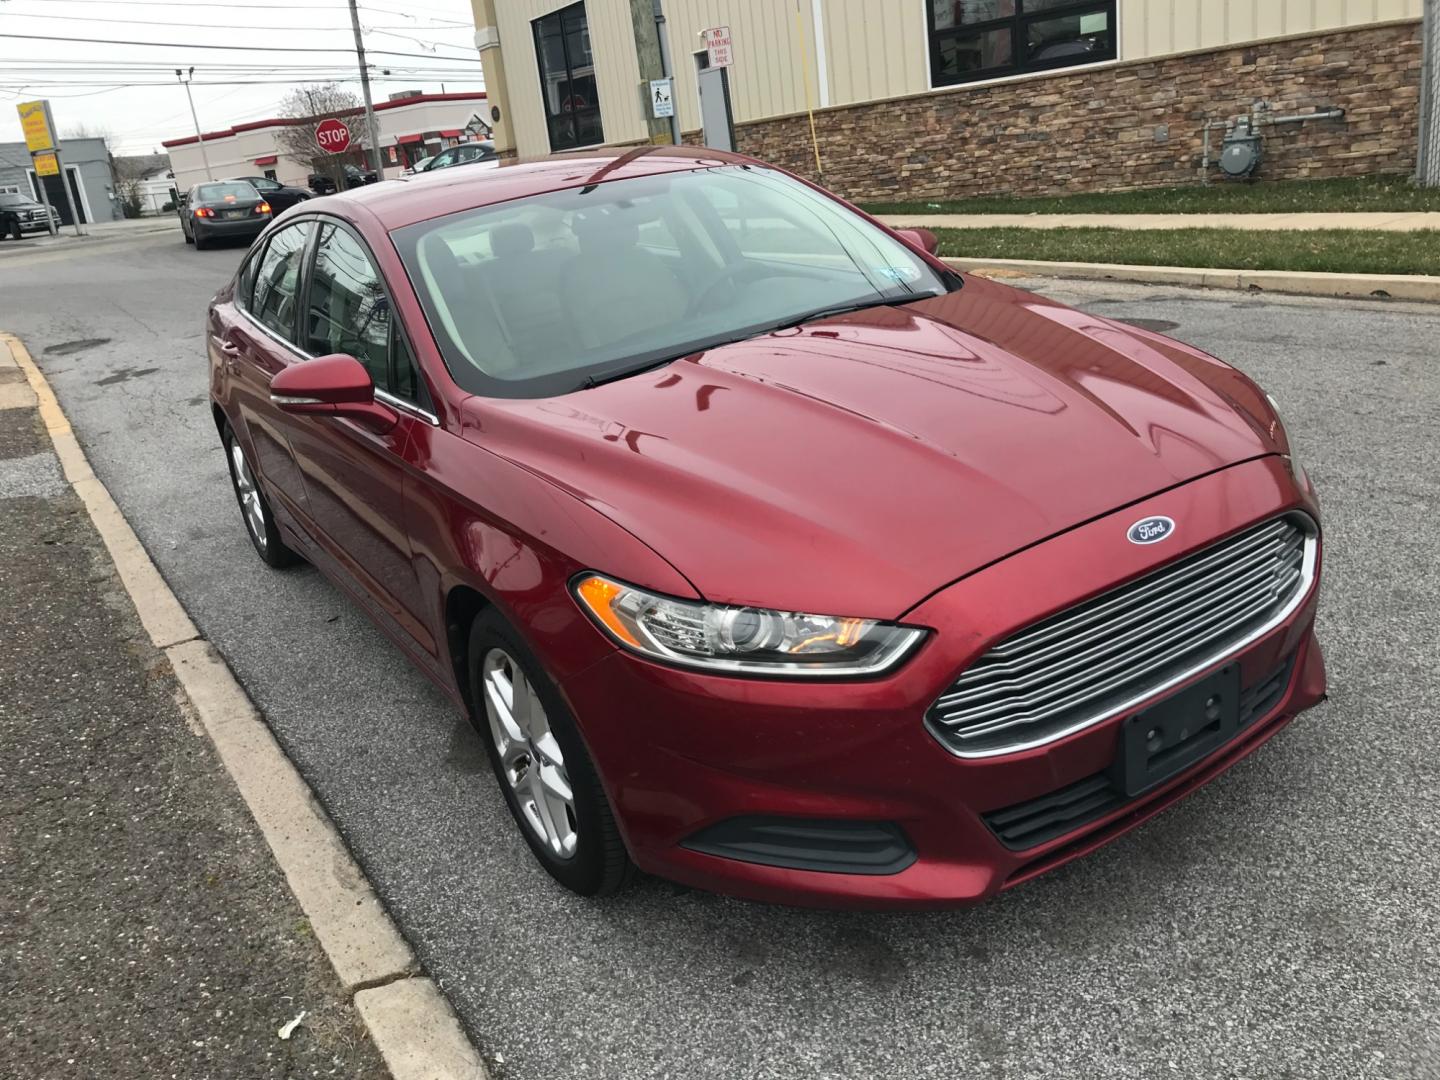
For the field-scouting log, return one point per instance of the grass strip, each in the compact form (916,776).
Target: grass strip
(1335,251)
(1344,195)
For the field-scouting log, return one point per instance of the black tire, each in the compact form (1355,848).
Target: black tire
(269,546)
(188,238)
(599,865)
(199,241)
(15,233)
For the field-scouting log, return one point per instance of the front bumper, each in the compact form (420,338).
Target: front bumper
(684,753)
(37,225)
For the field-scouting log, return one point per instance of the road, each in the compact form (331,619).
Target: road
(1280,923)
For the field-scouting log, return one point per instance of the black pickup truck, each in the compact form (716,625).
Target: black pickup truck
(20,214)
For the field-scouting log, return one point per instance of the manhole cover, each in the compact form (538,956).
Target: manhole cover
(1159,326)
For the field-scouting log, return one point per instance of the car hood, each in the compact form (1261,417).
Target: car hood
(854,465)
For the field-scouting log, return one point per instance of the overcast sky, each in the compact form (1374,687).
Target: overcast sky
(269,46)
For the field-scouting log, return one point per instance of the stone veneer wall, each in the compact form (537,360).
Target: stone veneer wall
(1133,125)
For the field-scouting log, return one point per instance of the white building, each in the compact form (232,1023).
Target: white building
(410,128)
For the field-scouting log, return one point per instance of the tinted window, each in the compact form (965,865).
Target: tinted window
(405,381)
(348,310)
(226,192)
(984,39)
(531,297)
(277,279)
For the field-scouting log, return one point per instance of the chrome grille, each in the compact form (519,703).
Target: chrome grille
(1111,653)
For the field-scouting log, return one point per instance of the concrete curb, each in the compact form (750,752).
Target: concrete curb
(1296,283)
(411,1023)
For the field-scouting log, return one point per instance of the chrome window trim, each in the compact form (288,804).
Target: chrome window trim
(406,406)
(1220,656)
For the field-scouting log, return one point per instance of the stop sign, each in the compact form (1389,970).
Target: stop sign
(333,136)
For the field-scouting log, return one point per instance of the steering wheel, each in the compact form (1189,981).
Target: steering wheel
(736,273)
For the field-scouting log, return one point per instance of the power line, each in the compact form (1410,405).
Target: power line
(231,48)
(249,6)
(382,31)
(211,25)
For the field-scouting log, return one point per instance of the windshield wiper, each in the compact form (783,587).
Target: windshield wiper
(616,374)
(846,309)
(650,364)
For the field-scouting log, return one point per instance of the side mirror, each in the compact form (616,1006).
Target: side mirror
(921,238)
(335,385)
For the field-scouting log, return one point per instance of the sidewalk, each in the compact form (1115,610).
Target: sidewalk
(98,231)
(1380,222)
(145,929)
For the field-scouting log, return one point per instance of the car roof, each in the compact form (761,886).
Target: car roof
(407,200)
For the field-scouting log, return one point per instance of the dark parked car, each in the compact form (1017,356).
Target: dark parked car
(281,197)
(474,153)
(20,214)
(355,177)
(778,559)
(222,208)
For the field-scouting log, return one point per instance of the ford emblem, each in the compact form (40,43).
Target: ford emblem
(1150,530)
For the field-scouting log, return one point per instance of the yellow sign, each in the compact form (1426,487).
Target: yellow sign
(46,165)
(39,127)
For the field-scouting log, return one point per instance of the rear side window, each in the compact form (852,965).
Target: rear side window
(277,279)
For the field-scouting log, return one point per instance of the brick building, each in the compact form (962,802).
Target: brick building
(946,98)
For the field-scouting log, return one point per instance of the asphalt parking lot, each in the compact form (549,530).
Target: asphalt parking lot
(1280,923)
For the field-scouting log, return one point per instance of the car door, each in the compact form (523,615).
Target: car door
(353,476)
(256,340)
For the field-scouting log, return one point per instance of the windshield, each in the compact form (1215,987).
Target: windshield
(544,295)
(227,192)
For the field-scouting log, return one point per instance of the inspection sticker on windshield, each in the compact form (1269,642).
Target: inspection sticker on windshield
(902,274)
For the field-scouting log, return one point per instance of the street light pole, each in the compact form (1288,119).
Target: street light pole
(184,81)
(377,162)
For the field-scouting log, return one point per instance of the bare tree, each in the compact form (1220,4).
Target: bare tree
(126,173)
(313,104)
(85,130)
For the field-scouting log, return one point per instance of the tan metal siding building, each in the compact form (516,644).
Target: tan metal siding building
(873,59)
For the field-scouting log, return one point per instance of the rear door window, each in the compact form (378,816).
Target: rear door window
(277,279)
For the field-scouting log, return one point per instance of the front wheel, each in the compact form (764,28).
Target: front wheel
(541,762)
(255,508)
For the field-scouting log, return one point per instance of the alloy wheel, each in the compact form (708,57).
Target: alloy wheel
(249,494)
(531,759)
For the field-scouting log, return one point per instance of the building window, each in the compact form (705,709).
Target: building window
(567,78)
(985,39)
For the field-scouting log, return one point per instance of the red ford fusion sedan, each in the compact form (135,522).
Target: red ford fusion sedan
(767,553)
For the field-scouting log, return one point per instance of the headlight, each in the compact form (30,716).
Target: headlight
(747,640)
(1296,470)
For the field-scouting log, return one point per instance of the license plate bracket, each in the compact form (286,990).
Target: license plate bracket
(1168,737)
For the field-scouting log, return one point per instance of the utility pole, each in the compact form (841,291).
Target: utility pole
(185,82)
(646,26)
(668,67)
(1427,162)
(377,162)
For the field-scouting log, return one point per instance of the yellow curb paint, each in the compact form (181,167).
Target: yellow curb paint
(410,1022)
